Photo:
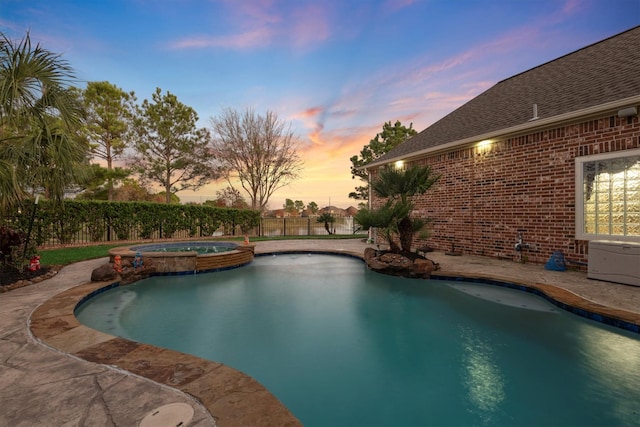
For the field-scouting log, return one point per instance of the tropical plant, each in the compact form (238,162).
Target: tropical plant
(39,118)
(51,160)
(394,217)
(33,84)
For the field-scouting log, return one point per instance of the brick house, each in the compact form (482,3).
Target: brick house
(550,155)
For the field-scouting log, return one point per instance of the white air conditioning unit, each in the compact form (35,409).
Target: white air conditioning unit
(614,261)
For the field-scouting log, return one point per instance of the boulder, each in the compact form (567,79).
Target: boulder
(405,265)
(424,266)
(395,261)
(128,274)
(131,275)
(104,273)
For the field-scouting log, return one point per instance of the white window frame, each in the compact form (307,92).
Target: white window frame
(579,219)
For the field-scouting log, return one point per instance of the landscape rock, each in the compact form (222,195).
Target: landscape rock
(131,275)
(404,265)
(424,266)
(103,273)
(128,274)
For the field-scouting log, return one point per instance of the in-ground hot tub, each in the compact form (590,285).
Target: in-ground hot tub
(188,256)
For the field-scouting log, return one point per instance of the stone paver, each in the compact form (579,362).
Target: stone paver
(43,386)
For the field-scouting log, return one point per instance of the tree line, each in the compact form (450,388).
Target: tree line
(56,137)
(53,132)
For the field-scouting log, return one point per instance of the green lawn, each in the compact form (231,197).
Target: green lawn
(66,256)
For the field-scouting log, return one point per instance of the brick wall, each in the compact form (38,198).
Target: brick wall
(486,196)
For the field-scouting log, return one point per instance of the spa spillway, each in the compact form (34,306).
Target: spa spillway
(188,256)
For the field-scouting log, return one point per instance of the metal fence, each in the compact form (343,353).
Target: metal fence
(269,227)
(305,226)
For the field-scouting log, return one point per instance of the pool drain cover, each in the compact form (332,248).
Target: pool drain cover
(171,415)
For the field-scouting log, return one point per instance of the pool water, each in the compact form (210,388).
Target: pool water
(340,345)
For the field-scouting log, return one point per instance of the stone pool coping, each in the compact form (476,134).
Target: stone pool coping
(232,397)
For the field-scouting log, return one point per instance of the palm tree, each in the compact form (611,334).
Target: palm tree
(33,83)
(38,119)
(394,217)
(50,159)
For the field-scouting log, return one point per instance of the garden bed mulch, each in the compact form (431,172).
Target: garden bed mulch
(11,278)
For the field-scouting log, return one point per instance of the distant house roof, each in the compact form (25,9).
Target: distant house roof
(600,75)
(351,211)
(334,210)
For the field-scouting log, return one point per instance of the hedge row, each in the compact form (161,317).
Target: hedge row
(127,219)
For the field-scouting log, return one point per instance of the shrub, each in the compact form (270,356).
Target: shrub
(12,248)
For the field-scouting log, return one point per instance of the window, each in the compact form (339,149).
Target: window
(608,196)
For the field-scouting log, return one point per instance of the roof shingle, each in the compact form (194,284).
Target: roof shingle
(603,72)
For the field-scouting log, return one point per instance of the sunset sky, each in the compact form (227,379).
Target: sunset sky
(335,69)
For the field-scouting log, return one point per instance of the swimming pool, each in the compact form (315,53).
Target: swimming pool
(340,345)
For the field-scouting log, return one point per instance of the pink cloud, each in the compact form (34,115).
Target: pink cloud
(343,113)
(310,112)
(340,143)
(255,12)
(310,25)
(258,23)
(309,118)
(421,93)
(394,5)
(8,25)
(402,103)
(315,135)
(246,40)
(571,6)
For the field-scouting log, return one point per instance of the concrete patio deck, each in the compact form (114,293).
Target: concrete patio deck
(54,371)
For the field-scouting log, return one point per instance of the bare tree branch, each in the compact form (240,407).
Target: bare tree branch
(259,151)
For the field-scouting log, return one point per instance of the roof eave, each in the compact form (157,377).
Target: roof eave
(518,129)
